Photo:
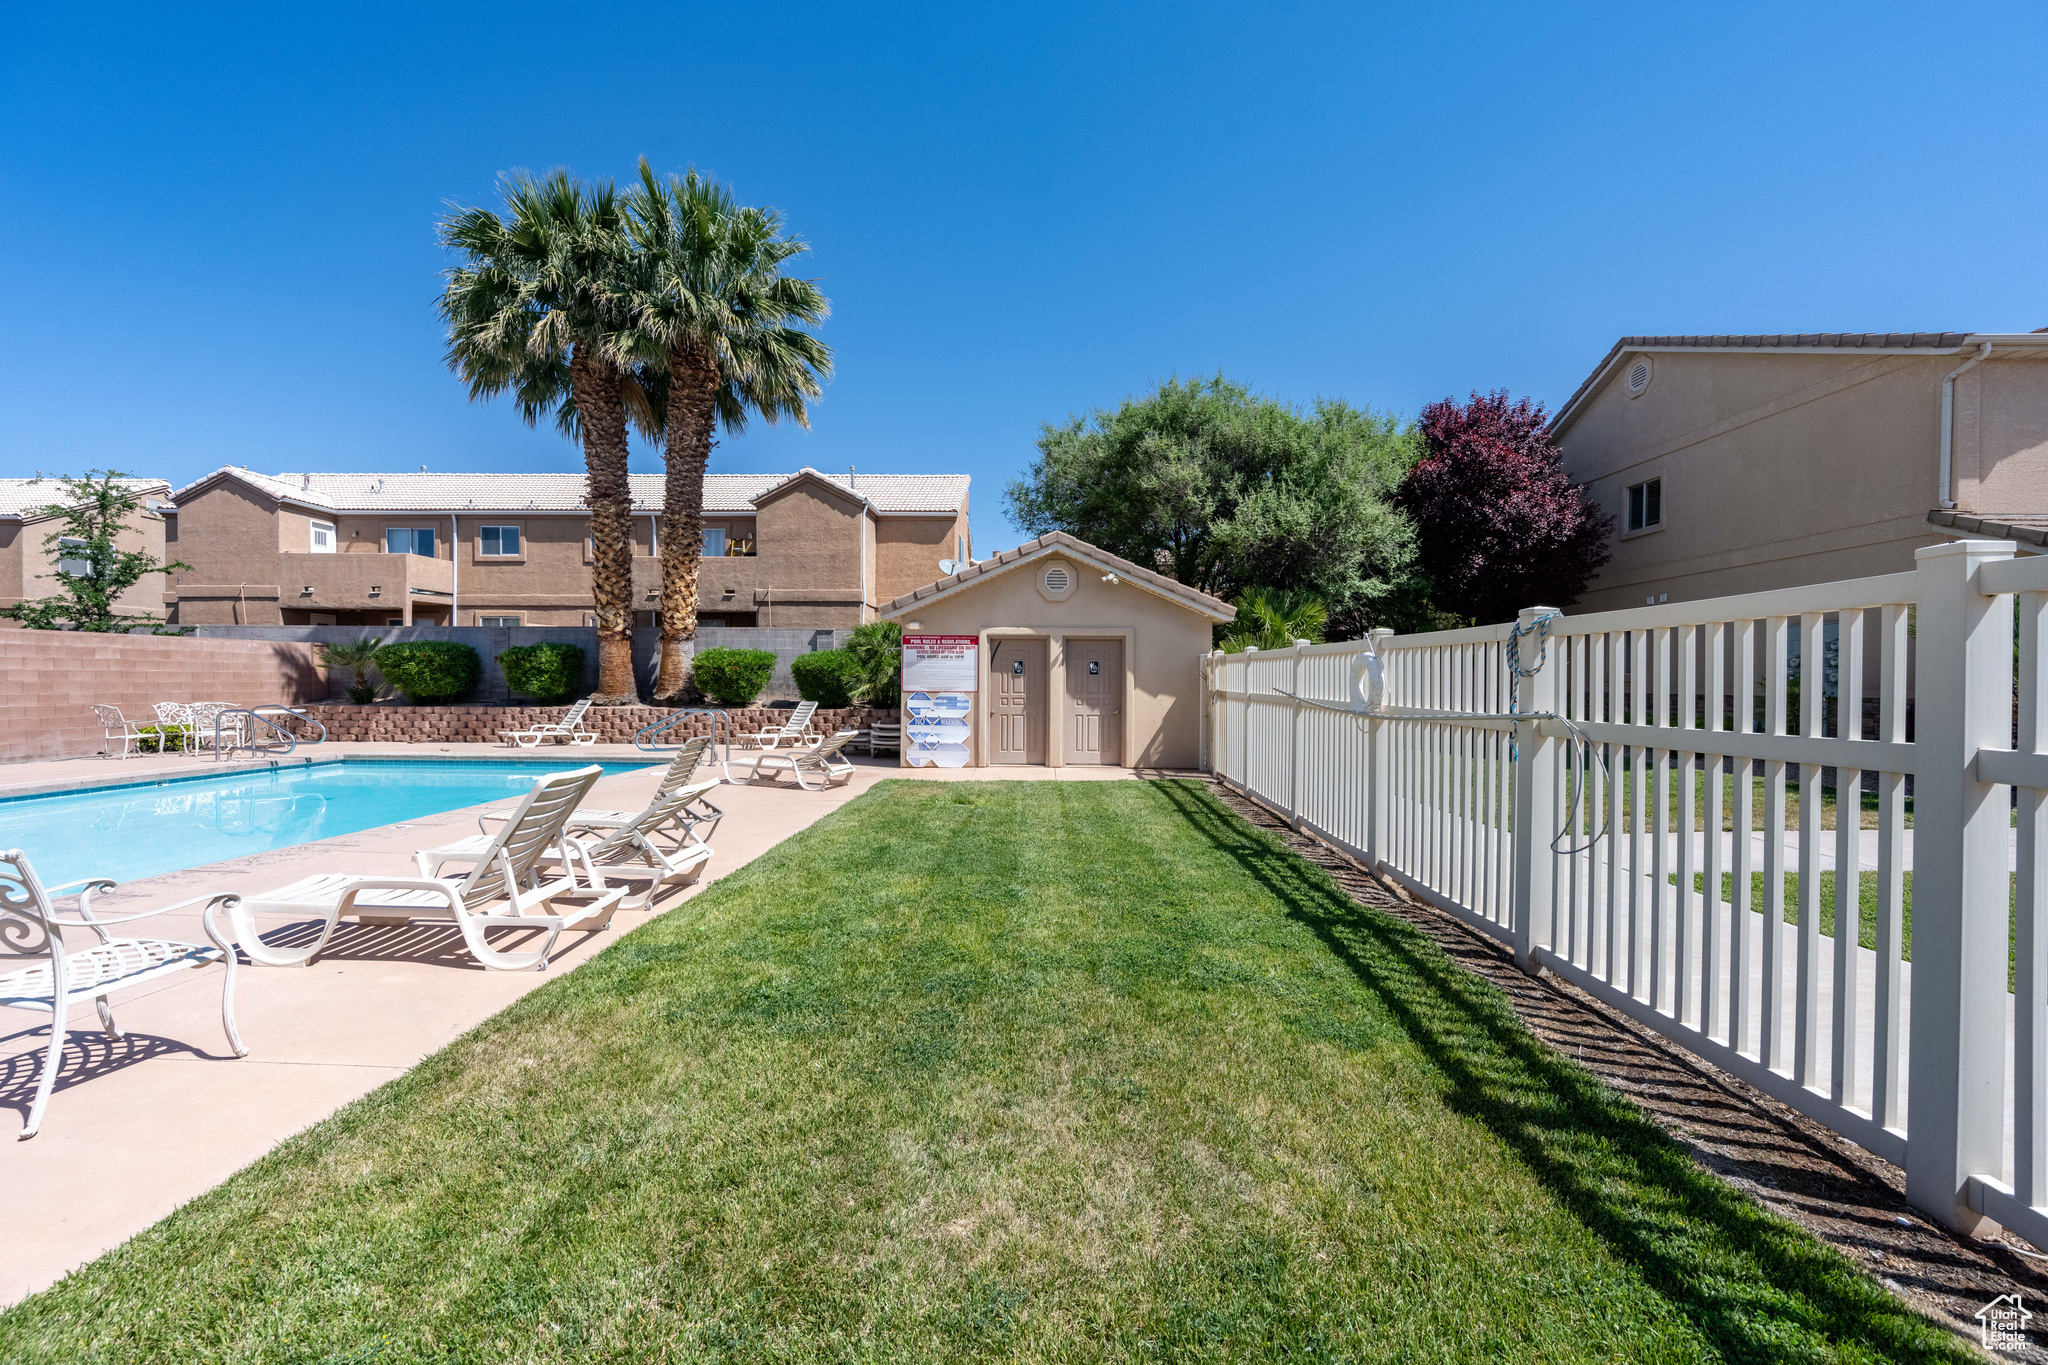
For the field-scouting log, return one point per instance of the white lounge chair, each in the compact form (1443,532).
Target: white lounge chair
(795,730)
(114,725)
(569,729)
(503,872)
(825,763)
(689,757)
(114,964)
(616,848)
(884,736)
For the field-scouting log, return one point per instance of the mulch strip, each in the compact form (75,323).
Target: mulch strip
(1795,1167)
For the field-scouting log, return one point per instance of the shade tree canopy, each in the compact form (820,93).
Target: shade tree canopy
(1226,490)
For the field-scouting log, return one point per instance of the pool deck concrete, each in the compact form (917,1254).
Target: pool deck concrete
(140,1125)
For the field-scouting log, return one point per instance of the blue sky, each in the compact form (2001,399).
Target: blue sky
(216,227)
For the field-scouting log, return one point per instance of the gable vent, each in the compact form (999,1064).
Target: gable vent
(1057,579)
(1638,377)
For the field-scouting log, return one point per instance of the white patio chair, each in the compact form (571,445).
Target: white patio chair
(503,872)
(71,975)
(114,725)
(569,729)
(689,757)
(202,717)
(795,730)
(616,848)
(825,763)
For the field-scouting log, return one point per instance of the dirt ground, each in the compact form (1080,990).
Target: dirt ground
(1798,1169)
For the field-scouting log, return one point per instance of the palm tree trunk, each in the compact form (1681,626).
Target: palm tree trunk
(692,389)
(609,496)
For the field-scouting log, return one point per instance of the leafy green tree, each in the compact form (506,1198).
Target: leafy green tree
(1268,619)
(1225,491)
(537,309)
(97,508)
(714,314)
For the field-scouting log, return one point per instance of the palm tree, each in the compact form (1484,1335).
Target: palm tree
(713,312)
(536,310)
(1274,619)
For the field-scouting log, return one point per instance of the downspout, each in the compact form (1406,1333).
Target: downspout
(1948,427)
(455,570)
(861,616)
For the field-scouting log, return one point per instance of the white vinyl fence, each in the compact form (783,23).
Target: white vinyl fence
(1694,717)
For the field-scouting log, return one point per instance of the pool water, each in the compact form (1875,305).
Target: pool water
(138,831)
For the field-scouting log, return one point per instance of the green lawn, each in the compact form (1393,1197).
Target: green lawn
(1002,1071)
(1866,921)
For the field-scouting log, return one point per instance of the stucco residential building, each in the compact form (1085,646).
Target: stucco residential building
(800,550)
(27,563)
(1734,464)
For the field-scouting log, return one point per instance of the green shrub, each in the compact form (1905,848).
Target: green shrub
(161,739)
(826,676)
(430,671)
(732,677)
(550,674)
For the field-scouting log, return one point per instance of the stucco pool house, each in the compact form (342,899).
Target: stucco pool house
(1053,654)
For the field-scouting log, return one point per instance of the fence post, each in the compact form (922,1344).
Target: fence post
(1962,703)
(1535,778)
(1294,742)
(1377,798)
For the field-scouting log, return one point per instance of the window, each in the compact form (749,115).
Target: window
(323,537)
(590,620)
(1646,505)
(498,540)
(409,540)
(69,558)
(394,620)
(714,542)
(501,622)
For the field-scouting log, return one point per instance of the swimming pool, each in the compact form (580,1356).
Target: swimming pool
(140,830)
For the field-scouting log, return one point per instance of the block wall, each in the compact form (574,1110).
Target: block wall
(49,680)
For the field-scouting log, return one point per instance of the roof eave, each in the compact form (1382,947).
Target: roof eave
(1597,380)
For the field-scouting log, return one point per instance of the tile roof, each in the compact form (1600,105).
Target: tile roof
(2030,528)
(1214,607)
(427,492)
(1926,342)
(21,496)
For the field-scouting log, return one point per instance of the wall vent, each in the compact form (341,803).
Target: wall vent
(1057,579)
(1638,376)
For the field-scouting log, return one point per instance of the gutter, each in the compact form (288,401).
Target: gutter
(1948,428)
(455,569)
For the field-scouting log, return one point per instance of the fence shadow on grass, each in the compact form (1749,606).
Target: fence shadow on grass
(1746,1280)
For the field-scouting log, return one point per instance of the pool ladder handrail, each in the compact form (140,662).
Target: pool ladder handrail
(223,752)
(721,725)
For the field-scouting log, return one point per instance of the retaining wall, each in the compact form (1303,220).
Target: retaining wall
(387,724)
(49,680)
(491,641)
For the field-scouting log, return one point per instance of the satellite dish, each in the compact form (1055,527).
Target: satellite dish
(949,567)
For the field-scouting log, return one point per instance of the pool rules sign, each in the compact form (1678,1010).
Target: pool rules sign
(941,674)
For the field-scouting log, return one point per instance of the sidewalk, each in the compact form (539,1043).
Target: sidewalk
(141,1125)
